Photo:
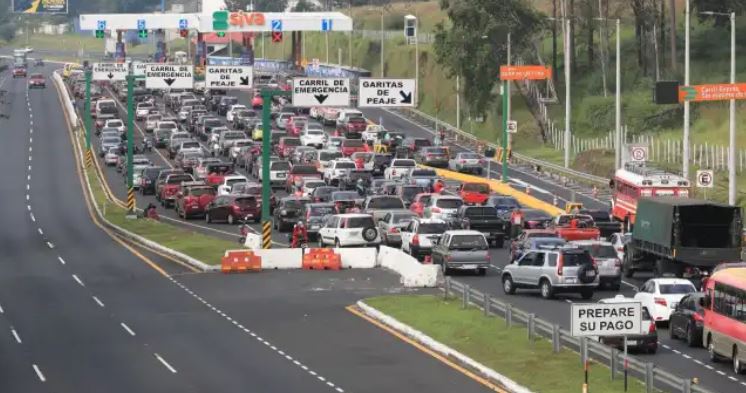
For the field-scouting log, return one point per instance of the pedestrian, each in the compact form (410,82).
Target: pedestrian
(516,223)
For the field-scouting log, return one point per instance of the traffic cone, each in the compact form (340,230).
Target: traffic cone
(528,189)
(554,200)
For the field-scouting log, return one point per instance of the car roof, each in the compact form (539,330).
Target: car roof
(462,232)
(351,215)
(670,280)
(591,243)
(619,299)
(430,220)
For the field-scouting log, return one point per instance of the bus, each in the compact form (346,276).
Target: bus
(636,180)
(724,329)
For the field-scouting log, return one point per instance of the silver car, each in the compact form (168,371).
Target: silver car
(552,270)
(607,260)
(467,162)
(391,225)
(462,250)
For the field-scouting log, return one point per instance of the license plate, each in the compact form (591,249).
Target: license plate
(632,342)
(571,280)
(469,266)
(280,175)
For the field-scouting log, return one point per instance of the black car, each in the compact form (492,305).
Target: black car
(313,214)
(323,193)
(381,161)
(149,177)
(213,101)
(349,180)
(687,319)
(225,104)
(245,119)
(288,212)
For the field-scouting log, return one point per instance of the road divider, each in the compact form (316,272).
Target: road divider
(499,187)
(412,272)
(240,261)
(321,259)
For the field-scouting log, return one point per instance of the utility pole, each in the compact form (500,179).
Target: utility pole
(618,103)
(87,114)
(381,41)
(349,50)
(568,60)
(603,46)
(732,130)
(508,108)
(130,142)
(685,155)
(458,102)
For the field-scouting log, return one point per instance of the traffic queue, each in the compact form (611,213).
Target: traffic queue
(340,180)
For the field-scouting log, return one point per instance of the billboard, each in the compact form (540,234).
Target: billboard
(40,6)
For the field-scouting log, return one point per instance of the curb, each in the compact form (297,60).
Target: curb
(119,230)
(442,349)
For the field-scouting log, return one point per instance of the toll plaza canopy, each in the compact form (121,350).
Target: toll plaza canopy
(222,20)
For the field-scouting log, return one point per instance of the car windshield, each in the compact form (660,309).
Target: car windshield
(321,210)
(576,258)
(600,250)
(432,228)
(408,193)
(360,222)
(177,179)
(676,289)
(199,191)
(314,132)
(245,201)
(449,203)
(304,170)
(402,218)
(386,203)
(468,242)
(345,195)
(481,188)
(423,173)
(295,203)
(279,166)
(219,169)
(314,184)
(481,211)
(505,202)
(109,141)
(353,143)
(437,150)
(422,142)
(536,215)
(547,241)
(469,156)
(404,163)
(328,155)
(114,123)
(345,165)
(231,182)
(291,142)
(212,122)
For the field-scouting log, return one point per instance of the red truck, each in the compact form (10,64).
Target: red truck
(575,227)
(169,186)
(350,146)
(474,193)
(216,173)
(193,199)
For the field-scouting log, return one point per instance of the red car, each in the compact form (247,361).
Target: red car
(352,128)
(286,146)
(295,125)
(216,173)
(193,199)
(419,202)
(19,72)
(37,80)
(350,146)
(257,102)
(299,172)
(171,187)
(233,208)
(475,193)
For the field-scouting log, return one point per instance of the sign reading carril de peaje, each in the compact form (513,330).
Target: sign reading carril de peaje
(229,77)
(386,92)
(168,76)
(606,319)
(308,92)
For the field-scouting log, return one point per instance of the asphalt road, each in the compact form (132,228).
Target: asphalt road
(85,314)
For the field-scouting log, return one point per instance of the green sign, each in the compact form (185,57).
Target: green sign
(220,20)
(142,33)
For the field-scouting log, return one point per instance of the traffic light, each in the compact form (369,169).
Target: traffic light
(221,34)
(100,34)
(184,33)
(276,36)
(142,33)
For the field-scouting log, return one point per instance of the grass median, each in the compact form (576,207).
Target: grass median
(506,350)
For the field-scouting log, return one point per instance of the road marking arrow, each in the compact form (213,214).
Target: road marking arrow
(321,98)
(405,98)
(169,81)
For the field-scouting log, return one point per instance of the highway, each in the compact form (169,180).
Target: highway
(83,311)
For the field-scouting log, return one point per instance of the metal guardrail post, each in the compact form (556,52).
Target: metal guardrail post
(531,326)
(465,297)
(583,350)
(556,345)
(486,304)
(686,387)
(509,315)
(446,288)
(649,377)
(613,362)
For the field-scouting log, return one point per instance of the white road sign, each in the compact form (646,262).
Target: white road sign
(376,92)
(138,69)
(168,76)
(308,92)
(512,126)
(229,77)
(109,71)
(606,319)
(638,153)
(705,178)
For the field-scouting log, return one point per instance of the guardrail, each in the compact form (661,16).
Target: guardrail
(651,376)
(471,142)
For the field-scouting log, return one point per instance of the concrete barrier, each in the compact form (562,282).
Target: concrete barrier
(358,258)
(281,258)
(504,189)
(71,114)
(413,273)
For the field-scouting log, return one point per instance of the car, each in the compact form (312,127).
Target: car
(442,207)
(235,148)
(245,120)
(351,229)
(363,160)
(278,172)
(552,270)
(519,246)
(298,174)
(304,155)
(483,219)
(619,240)
(207,125)
(420,234)
(286,146)
(116,124)
(37,80)
(149,178)
(415,144)
(380,205)
(187,159)
(193,199)
(257,133)
(399,168)
(108,143)
(200,171)
(111,157)
(436,156)
(687,319)
(216,173)
(323,193)
(646,341)
(315,137)
(662,295)
(418,203)
(313,216)
(371,133)
(533,218)
(226,185)
(474,193)
(609,264)
(225,103)
(391,225)
(336,169)
(350,146)
(233,110)
(327,156)
(351,128)
(407,192)
(296,124)
(358,180)
(503,203)
(233,209)
(309,185)
(344,200)
(282,119)
(151,121)
(288,212)
(466,162)
(381,161)
(423,177)
(461,250)
(143,110)
(226,140)
(169,185)
(19,72)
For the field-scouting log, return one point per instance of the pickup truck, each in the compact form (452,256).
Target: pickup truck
(193,199)
(462,250)
(575,227)
(399,168)
(296,175)
(216,173)
(336,169)
(604,222)
(483,219)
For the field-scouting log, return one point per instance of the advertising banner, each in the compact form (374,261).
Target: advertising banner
(40,6)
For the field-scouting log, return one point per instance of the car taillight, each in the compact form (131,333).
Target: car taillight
(617,262)
(698,317)
(436,210)
(448,257)
(651,329)
(416,240)
(560,265)
(393,171)
(308,215)
(236,208)
(463,161)
(595,264)
(393,230)
(661,301)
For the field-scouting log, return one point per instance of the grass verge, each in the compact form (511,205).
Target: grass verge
(506,350)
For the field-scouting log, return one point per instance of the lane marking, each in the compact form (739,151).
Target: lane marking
(50,244)
(40,231)
(39,373)
(62,261)
(428,351)
(28,197)
(33,219)
(165,363)
(732,378)
(78,280)
(127,328)
(1,310)
(28,207)
(98,301)
(15,334)
(720,372)
(686,356)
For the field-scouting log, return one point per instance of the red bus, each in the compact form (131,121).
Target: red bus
(724,330)
(637,180)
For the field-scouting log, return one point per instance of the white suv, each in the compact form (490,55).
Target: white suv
(399,168)
(313,136)
(336,169)
(349,230)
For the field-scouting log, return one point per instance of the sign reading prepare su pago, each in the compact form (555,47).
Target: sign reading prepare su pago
(606,319)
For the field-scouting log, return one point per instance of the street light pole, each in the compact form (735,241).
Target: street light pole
(381,42)
(509,106)
(732,131)
(130,142)
(618,102)
(567,94)
(685,153)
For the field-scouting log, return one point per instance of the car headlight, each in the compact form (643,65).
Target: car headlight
(283,212)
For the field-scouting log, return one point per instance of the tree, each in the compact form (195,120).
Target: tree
(305,6)
(259,5)
(474,44)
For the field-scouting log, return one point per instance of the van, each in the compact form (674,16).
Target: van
(347,113)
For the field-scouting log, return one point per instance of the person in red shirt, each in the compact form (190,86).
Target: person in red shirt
(516,222)
(438,186)
(300,235)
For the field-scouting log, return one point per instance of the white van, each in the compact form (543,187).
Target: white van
(347,113)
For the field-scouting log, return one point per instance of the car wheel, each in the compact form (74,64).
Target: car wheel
(508,286)
(671,331)
(547,292)
(586,294)
(691,338)
(714,357)
(482,271)
(320,242)
(652,350)
(737,365)
(337,244)
(208,219)
(231,220)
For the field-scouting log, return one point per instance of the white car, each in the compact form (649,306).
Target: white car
(311,184)
(366,158)
(313,136)
(417,238)
(347,113)
(443,207)
(336,169)
(143,110)
(151,121)
(167,125)
(115,123)
(646,341)
(353,229)
(282,119)
(399,168)
(233,110)
(111,157)
(137,175)
(235,147)
(224,188)
(662,295)
(619,240)
(371,132)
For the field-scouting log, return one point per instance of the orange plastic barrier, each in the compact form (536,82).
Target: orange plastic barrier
(240,261)
(322,259)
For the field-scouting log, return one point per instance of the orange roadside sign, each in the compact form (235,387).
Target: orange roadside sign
(718,92)
(525,72)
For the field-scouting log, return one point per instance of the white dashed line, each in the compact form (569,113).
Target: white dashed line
(50,244)
(732,378)
(30,158)
(15,335)
(699,362)
(568,300)
(666,346)
(28,187)
(127,328)
(720,372)
(78,280)
(98,301)
(686,356)
(30,149)
(165,363)
(40,231)
(28,177)
(39,374)
(62,261)
(707,366)
(28,197)
(28,207)
(33,219)
(676,351)
(29,167)
(1,310)
(743,383)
